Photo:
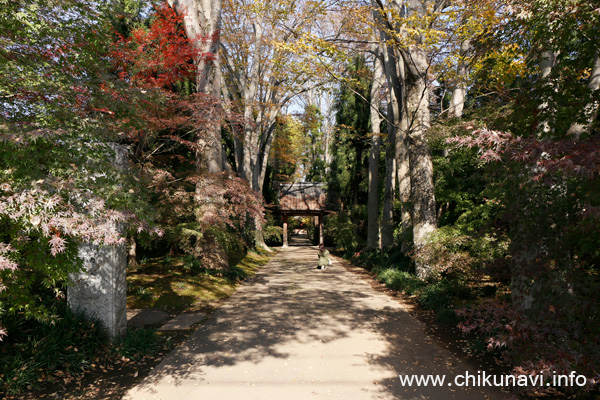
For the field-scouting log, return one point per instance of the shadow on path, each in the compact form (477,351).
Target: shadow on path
(295,332)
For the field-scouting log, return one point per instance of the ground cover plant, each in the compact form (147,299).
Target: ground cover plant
(49,356)
(44,358)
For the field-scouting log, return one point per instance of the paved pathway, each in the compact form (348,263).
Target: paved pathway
(296,333)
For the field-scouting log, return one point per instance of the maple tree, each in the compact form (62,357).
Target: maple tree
(59,184)
(160,60)
(534,219)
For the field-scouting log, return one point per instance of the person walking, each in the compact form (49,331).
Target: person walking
(324,260)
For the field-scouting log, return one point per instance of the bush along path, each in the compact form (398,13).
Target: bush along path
(297,332)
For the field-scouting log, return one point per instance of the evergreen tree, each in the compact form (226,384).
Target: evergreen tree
(348,179)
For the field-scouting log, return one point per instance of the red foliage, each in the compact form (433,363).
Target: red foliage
(580,158)
(547,161)
(534,346)
(158,56)
(550,192)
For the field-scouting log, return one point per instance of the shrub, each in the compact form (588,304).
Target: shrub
(400,280)
(33,350)
(138,343)
(235,273)
(192,264)
(436,296)
(341,231)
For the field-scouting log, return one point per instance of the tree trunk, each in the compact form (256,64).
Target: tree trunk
(421,168)
(387,218)
(404,188)
(373,197)
(398,129)
(401,120)
(416,110)
(547,63)
(457,103)
(590,110)
(202,24)
(132,252)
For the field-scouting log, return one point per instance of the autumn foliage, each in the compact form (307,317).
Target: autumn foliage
(167,133)
(157,56)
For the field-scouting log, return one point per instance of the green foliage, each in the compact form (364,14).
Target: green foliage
(60,352)
(399,280)
(236,274)
(138,343)
(439,295)
(469,241)
(341,231)
(192,264)
(393,258)
(348,178)
(59,185)
(312,162)
(272,232)
(444,293)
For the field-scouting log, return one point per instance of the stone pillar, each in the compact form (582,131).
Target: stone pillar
(285,230)
(100,290)
(321,239)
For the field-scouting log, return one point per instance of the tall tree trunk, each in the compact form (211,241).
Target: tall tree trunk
(547,63)
(393,123)
(398,124)
(590,111)
(404,186)
(421,169)
(387,218)
(403,157)
(457,103)
(202,24)
(373,197)
(416,109)
(416,118)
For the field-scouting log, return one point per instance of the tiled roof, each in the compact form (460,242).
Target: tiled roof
(302,196)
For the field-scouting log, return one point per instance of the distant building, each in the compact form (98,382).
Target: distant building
(302,199)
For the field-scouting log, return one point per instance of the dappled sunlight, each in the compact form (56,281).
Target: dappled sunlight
(295,329)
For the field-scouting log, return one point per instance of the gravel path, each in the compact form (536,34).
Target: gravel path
(296,333)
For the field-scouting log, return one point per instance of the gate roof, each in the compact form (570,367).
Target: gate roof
(302,196)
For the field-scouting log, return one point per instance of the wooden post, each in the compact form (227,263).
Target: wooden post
(285,230)
(321,240)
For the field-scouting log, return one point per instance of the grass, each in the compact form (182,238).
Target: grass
(177,284)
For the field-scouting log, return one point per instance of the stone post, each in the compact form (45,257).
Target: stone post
(100,290)
(285,230)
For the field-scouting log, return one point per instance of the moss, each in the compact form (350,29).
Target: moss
(172,286)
